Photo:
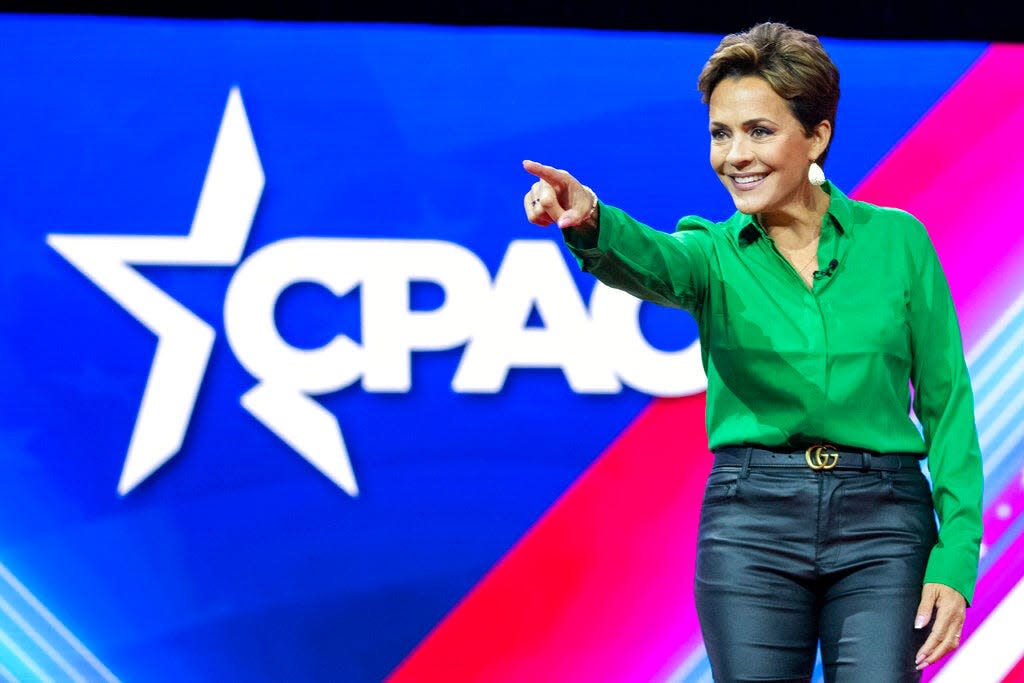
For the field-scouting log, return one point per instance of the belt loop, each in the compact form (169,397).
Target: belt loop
(746,462)
(865,461)
(899,463)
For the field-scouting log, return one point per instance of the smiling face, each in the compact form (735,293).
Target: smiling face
(759,149)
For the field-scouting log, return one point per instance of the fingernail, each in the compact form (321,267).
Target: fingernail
(918,659)
(921,667)
(920,621)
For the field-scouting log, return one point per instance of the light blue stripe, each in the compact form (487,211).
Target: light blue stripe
(1001,340)
(1004,476)
(34,644)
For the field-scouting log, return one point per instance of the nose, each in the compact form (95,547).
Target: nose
(739,154)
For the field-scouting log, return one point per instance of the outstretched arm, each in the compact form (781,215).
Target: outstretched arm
(667,269)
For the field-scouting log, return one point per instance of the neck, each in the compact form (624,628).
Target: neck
(798,221)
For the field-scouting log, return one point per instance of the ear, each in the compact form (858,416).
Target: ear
(820,137)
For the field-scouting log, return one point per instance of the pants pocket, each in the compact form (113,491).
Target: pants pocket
(885,512)
(721,486)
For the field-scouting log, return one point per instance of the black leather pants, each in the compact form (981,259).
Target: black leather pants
(790,556)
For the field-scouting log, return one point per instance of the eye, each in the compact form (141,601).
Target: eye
(761,132)
(719,134)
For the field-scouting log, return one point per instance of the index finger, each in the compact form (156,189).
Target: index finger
(549,174)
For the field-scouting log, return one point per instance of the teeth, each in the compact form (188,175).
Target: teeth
(749,179)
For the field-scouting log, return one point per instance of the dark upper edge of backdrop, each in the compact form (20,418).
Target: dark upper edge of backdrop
(987,20)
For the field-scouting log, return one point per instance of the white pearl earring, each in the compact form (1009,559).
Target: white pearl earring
(816,175)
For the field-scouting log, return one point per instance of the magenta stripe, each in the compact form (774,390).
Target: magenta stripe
(968,207)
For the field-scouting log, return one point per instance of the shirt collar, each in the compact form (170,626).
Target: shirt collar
(746,230)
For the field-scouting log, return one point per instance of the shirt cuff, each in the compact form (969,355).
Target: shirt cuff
(581,241)
(955,568)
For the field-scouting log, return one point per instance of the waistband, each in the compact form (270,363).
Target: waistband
(819,457)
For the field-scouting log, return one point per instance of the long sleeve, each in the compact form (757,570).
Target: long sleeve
(667,269)
(944,403)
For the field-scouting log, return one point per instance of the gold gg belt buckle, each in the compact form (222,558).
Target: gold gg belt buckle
(821,457)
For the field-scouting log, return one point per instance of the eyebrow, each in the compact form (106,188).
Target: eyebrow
(748,122)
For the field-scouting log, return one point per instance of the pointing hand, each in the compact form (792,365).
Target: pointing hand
(559,198)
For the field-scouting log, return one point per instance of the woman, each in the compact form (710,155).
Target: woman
(813,311)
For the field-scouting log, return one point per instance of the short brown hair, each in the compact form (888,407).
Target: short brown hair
(793,63)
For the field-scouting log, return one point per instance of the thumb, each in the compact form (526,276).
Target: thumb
(569,219)
(926,606)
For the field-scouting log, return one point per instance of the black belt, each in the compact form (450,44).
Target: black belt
(817,457)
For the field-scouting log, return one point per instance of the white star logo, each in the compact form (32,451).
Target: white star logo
(227,204)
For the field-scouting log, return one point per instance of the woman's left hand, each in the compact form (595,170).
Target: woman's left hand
(950,609)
